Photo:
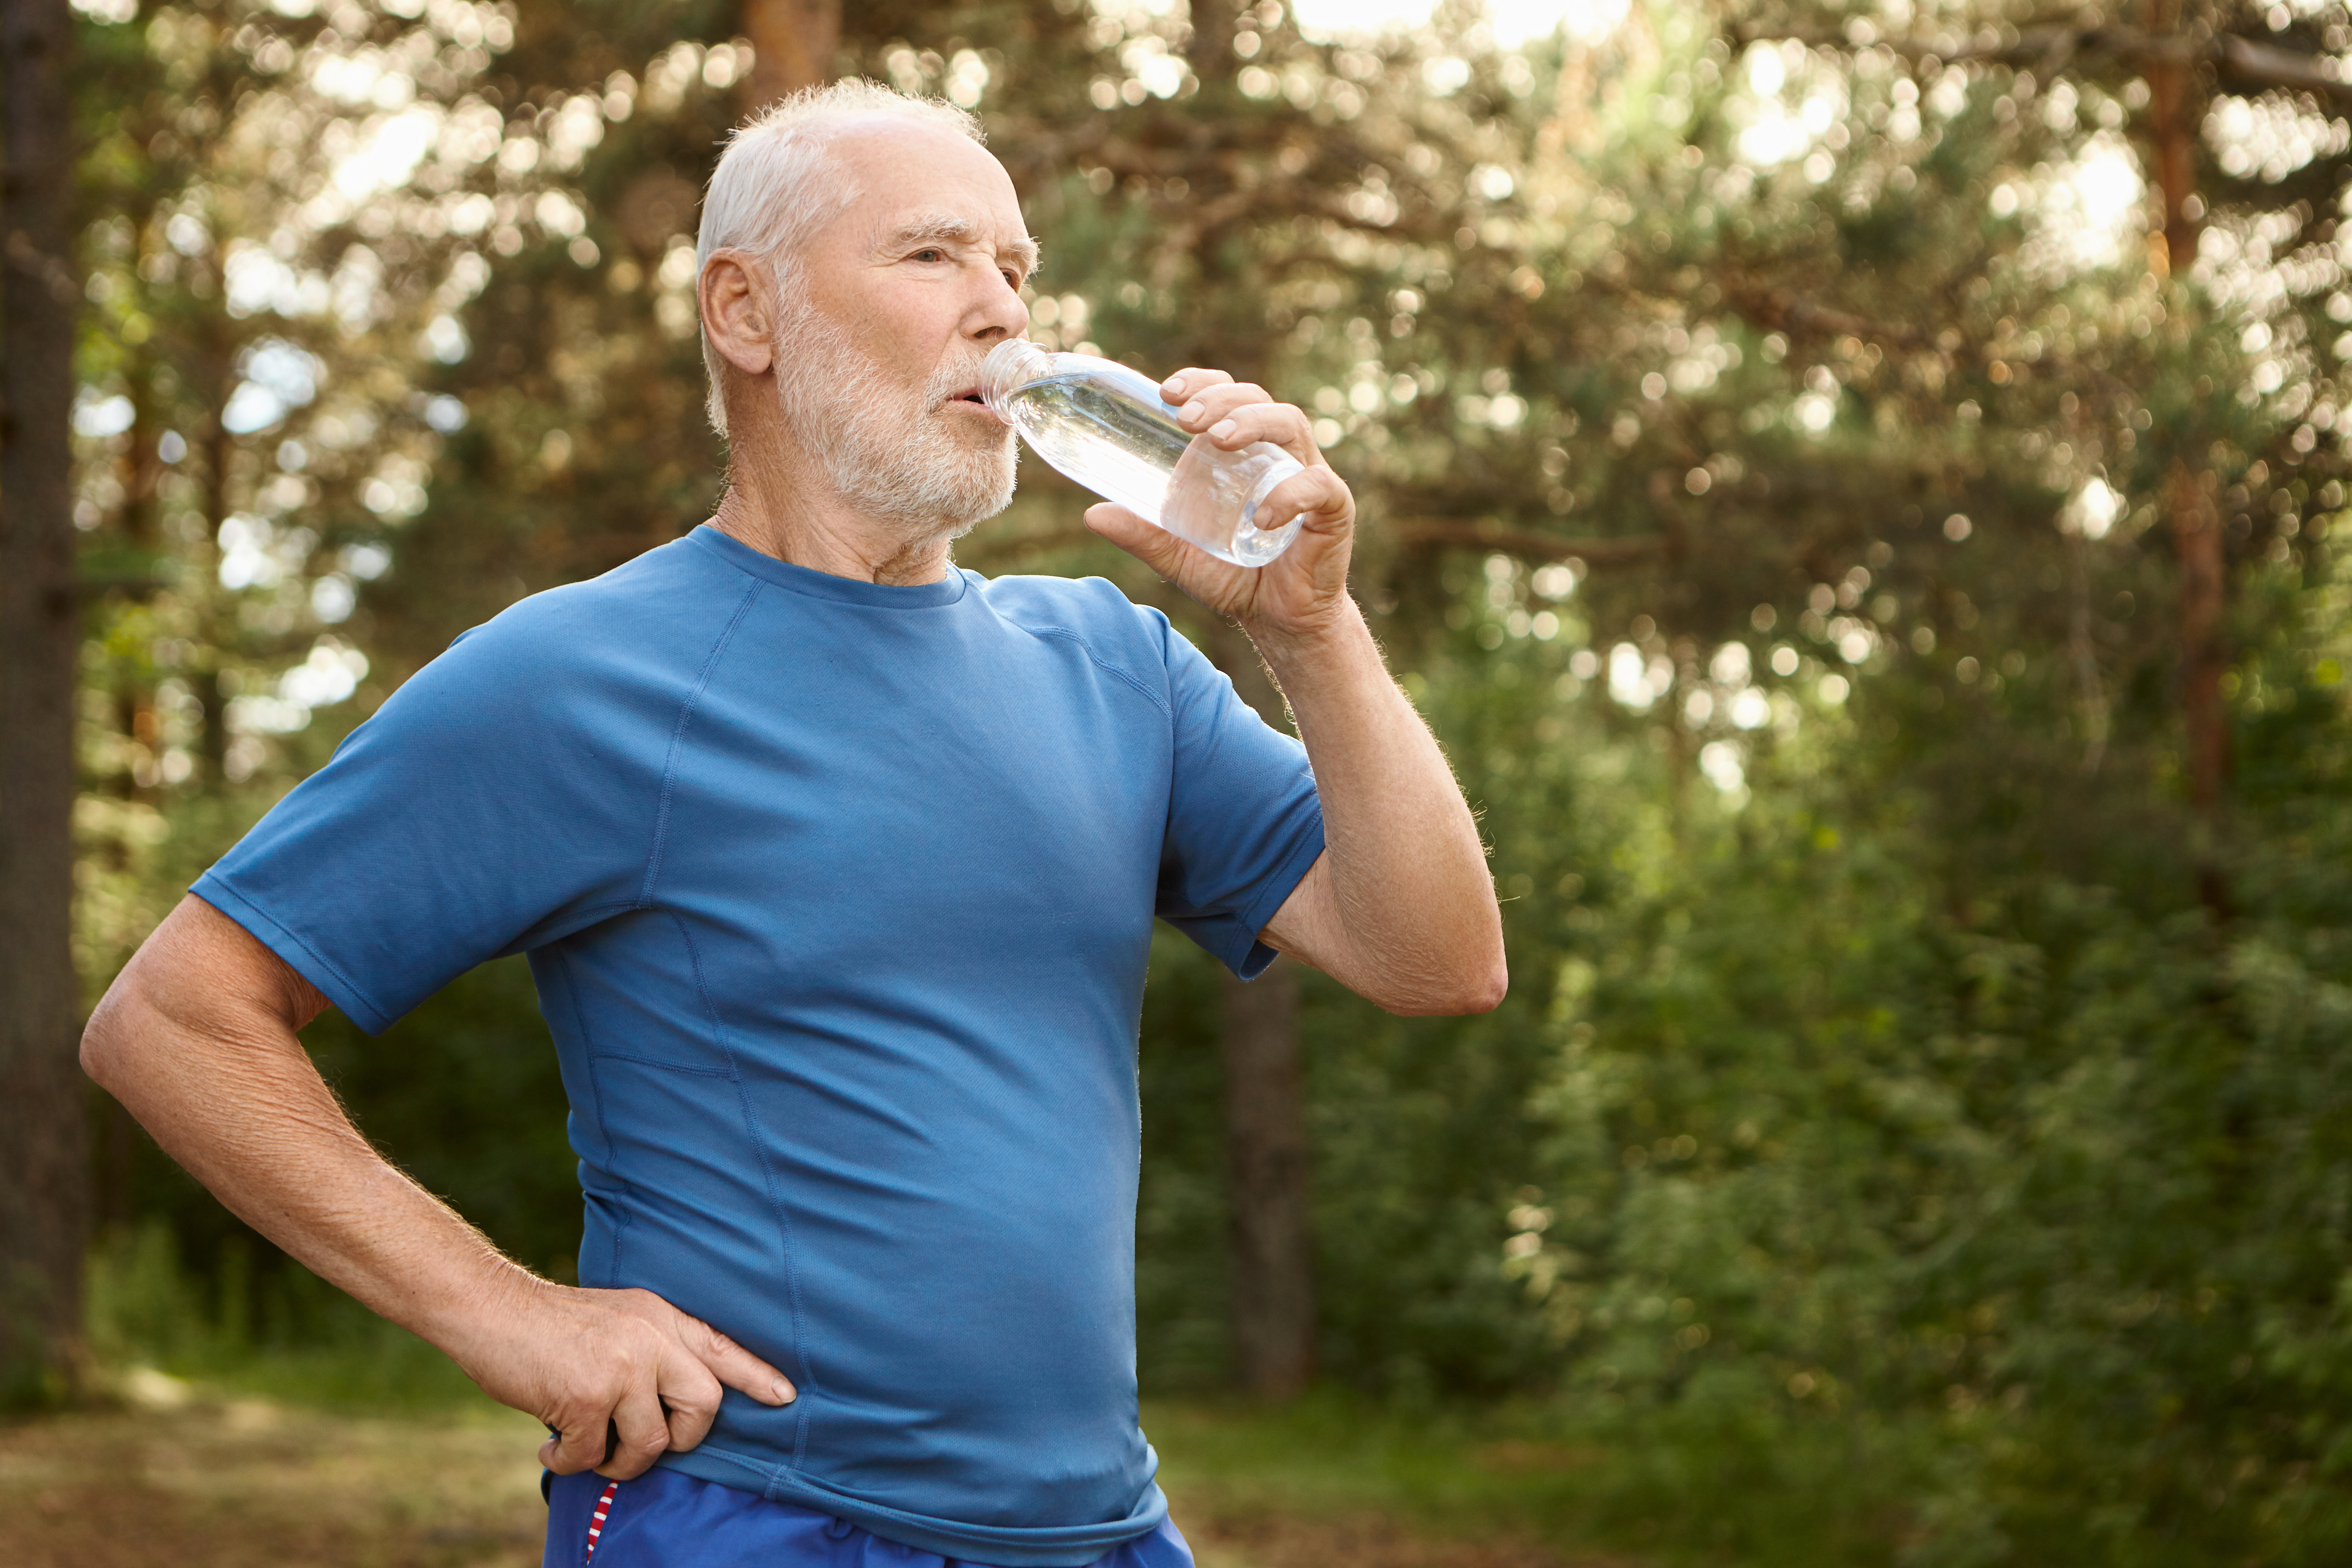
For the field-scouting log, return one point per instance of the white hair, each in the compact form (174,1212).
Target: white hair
(771,192)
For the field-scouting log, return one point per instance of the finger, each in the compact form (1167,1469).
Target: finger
(1185,383)
(640,1435)
(1210,404)
(579,1444)
(733,1365)
(689,1397)
(1319,498)
(1284,424)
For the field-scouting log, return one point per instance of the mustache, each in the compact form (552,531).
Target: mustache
(952,382)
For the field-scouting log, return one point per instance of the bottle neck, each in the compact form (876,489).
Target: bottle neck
(1010,366)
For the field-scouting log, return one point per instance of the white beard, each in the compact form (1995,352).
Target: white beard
(894,455)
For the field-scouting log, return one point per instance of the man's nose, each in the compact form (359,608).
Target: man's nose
(1002,313)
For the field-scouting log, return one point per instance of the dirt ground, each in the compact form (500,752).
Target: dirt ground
(186,1483)
(253,1485)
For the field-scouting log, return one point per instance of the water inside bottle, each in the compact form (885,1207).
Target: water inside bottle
(1111,432)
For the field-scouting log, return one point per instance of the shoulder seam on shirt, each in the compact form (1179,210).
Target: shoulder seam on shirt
(1157,699)
(677,744)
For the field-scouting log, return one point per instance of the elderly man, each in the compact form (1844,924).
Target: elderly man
(837,866)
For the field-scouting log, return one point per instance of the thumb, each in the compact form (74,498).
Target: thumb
(1155,547)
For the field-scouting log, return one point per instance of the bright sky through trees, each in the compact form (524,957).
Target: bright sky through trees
(1512,22)
(2091,209)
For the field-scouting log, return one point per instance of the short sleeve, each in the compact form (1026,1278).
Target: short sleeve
(474,815)
(1244,820)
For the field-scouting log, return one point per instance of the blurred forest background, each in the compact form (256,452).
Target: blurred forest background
(1850,481)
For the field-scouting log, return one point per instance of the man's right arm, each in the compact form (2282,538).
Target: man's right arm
(198,1039)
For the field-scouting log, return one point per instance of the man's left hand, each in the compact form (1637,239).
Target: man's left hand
(1303,592)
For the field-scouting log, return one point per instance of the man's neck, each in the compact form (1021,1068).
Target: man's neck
(797,517)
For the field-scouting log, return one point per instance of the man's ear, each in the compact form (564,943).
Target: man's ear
(736,295)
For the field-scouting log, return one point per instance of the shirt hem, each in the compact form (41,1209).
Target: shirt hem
(305,960)
(1279,889)
(991,1545)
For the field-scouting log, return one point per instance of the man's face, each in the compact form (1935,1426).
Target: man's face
(887,314)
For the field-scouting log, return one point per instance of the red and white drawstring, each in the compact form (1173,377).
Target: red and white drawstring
(596,1520)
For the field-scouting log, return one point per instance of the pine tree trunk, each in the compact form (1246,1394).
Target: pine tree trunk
(1268,1226)
(2173,117)
(792,46)
(44,1136)
(2204,586)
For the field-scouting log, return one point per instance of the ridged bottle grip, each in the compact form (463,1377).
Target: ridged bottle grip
(1013,363)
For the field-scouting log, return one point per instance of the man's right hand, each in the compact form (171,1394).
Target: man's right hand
(197,1039)
(621,1377)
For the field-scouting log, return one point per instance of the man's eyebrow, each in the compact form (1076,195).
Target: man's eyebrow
(944,226)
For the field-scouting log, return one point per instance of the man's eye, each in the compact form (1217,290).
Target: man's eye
(933,254)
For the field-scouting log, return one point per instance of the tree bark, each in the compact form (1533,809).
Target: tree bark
(1270,1233)
(1269,1229)
(44,1134)
(2174,113)
(792,46)
(1209,50)
(2172,130)
(2204,657)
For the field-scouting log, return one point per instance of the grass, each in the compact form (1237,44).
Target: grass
(1539,1484)
(286,1425)
(203,1481)
(206,1475)
(210,1474)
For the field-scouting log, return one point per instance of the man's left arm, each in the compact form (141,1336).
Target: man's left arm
(1399,907)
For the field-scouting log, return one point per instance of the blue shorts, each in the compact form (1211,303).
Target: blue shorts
(667,1518)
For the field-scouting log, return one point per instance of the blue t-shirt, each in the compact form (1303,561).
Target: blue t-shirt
(838,897)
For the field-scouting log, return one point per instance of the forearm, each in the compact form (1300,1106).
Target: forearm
(241,1107)
(1399,908)
(1410,893)
(197,1040)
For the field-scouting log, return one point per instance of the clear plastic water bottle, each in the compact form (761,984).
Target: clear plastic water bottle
(1107,427)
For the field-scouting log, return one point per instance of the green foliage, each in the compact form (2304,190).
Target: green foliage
(276,1332)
